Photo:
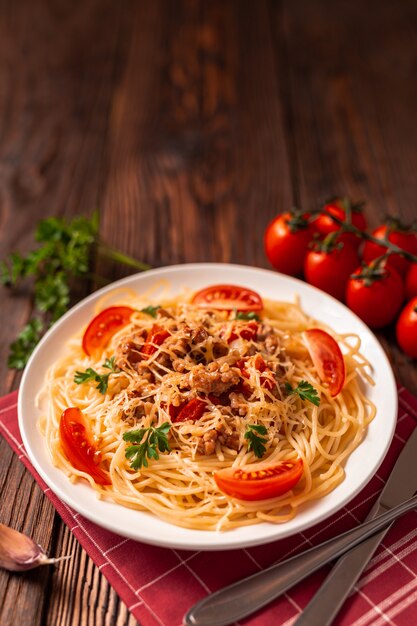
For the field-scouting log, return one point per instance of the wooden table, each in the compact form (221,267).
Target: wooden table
(190,124)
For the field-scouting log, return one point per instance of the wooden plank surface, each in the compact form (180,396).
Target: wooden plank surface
(190,124)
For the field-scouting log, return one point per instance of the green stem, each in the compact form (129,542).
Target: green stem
(348,210)
(100,280)
(380,260)
(379,242)
(329,243)
(120,257)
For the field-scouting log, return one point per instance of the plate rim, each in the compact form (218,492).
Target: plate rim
(229,540)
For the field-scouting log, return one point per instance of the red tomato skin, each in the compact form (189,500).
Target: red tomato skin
(77,445)
(103,326)
(411,282)
(330,271)
(268,382)
(192,410)
(284,476)
(327,358)
(227,298)
(406,329)
(378,304)
(325,225)
(406,241)
(266,379)
(285,250)
(155,337)
(247,331)
(220,400)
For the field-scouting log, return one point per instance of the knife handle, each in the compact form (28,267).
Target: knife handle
(328,600)
(246,596)
(325,605)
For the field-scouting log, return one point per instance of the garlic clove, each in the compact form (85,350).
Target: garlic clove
(19,553)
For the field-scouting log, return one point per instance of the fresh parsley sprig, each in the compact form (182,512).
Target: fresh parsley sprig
(147,442)
(305,391)
(102,379)
(151,310)
(24,344)
(251,315)
(65,252)
(256,443)
(65,247)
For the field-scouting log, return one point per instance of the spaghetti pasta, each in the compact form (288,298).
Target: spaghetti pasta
(212,376)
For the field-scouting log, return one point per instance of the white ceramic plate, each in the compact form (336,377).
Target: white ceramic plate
(360,466)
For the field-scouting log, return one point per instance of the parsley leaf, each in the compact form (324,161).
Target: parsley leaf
(305,391)
(24,344)
(85,377)
(255,442)
(52,294)
(13,270)
(65,253)
(91,375)
(110,364)
(241,315)
(147,442)
(151,310)
(69,242)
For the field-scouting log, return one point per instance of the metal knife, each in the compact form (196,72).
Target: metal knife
(401,484)
(246,596)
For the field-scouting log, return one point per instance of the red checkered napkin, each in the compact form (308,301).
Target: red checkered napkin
(159,585)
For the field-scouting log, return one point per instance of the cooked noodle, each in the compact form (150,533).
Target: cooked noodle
(200,358)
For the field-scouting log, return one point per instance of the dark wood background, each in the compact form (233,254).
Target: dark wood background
(189,124)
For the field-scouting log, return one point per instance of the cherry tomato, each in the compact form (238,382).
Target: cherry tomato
(286,245)
(227,298)
(330,271)
(77,444)
(103,326)
(325,225)
(405,240)
(192,410)
(155,337)
(327,358)
(376,304)
(259,481)
(406,329)
(411,282)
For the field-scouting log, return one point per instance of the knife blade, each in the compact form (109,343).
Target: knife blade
(249,594)
(327,602)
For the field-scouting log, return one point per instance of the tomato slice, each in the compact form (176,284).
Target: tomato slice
(155,337)
(259,481)
(327,358)
(227,298)
(78,447)
(192,410)
(103,326)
